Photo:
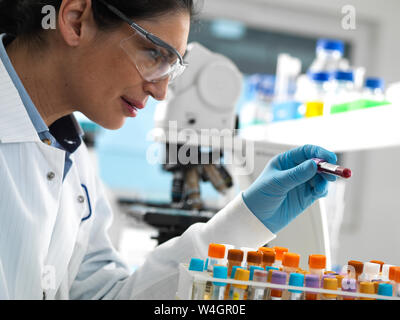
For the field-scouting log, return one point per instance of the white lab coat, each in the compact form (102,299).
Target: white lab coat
(48,251)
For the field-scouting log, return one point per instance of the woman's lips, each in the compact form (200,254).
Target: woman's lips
(131,109)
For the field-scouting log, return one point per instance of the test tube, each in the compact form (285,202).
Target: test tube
(253,259)
(290,262)
(216,254)
(339,278)
(269,271)
(317,264)
(238,291)
(257,292)
(312,281)
(385,289)
(385,272)
(330,283)
(396,278)
(349,285)
(235,258)
(229,290)
(279,251)
(218,291)
(296,280)
(368,288)
(278,277)
(332,169)
(199,286)
(357,266)
(268,256)
(381,263)
(371,271)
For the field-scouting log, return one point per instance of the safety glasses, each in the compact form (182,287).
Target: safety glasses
(154,59)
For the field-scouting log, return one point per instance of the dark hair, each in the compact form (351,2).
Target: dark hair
(23,18)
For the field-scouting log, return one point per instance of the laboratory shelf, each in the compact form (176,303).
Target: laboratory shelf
(365,129)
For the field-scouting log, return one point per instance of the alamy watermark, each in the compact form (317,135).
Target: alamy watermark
(49,21)
(349,20)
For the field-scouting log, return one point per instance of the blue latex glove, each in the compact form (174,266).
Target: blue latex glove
(288,185)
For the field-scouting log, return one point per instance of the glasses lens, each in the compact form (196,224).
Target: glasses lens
(153,62)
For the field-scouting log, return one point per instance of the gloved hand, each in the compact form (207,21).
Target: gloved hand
(288,185)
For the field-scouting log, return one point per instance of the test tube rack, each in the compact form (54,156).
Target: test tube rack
(187,278)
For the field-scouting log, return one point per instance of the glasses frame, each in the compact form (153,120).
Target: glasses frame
(148,35)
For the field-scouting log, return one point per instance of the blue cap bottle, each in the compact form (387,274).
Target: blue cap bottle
(296,280)
(196,265)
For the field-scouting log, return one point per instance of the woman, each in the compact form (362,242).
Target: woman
(104,59)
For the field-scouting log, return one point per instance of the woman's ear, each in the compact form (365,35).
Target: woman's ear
(76,22)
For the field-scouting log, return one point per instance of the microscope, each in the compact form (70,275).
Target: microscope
(193,126)
(194,121)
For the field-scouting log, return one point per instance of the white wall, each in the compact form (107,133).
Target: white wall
(371,224)
(375,36)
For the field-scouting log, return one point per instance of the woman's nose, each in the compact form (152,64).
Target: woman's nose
(158,90)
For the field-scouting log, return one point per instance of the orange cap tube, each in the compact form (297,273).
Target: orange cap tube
(216,250)
(291,260)
(317,261)
(381,263)
(254,257)
(279,252)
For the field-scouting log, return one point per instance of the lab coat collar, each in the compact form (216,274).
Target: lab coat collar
(15,123)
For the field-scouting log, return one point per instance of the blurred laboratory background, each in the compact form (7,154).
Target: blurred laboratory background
(320,72)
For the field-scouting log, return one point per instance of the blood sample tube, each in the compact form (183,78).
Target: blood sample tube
(199,286)
(385,271)
(218,291)
(381,263)
(367,288)
(312,281)
(385,289)
(238,292)
(317,264)
(290,262)
(332,169)
(279,251)
(235,258)
(254,258)
(257,292)
(349,285)
(330,283)
(371,271)
(216,254)
(357,266)
(397,281)
(268,256)
(278,277)
(229,290)
(296,280)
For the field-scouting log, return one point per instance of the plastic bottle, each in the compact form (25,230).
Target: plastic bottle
(257,292)
(296,280)
(199,286)
(330,284)
(216,254)
(317,264)
(371,271)
(349,285)
(279,251)
(342,95)
(312,281)
(278,277)
(329,55)
(374,90)
(367,288)
(317,94)
(290,262)
(385,289)
(238,290)
(218,291)
(268,256)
